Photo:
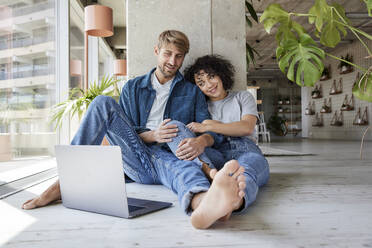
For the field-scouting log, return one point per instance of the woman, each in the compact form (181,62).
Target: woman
(234,115)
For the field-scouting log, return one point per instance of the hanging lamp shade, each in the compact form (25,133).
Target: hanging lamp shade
(75,67)
(120,67)
(98,20)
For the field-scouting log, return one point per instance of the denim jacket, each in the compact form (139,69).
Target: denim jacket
(186,103)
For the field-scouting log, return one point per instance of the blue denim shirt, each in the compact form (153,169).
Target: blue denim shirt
(186,103)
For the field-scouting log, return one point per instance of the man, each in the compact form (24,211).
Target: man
(144,119)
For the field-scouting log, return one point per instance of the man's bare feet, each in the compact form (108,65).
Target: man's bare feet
(50,195)
(224,196)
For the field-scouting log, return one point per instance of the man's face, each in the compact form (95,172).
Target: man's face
(170,59)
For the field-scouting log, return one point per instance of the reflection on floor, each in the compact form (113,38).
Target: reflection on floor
(322,200)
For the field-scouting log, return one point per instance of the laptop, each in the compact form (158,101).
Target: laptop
(92,179)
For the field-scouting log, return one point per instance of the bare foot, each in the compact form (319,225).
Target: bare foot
(224,196)
(50,195)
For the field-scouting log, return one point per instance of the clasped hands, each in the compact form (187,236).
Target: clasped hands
(188,148)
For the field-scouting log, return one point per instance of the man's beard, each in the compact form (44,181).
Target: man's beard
(165,73)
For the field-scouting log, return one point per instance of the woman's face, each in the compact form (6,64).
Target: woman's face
(211,85)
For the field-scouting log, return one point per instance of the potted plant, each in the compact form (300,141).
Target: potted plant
(276,124)
(326,74)
(344,66)
(79,100)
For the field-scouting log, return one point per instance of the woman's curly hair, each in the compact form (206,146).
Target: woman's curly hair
(212,64)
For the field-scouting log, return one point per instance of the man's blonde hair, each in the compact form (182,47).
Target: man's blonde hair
(176,38)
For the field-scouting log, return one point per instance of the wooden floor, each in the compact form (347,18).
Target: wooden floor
(310,201)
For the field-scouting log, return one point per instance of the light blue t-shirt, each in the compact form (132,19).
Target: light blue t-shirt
(233,107)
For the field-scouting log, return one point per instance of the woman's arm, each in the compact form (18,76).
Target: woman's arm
(244,127)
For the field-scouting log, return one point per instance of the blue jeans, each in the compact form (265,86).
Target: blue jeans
(210,156)
(147,164)
(251,158)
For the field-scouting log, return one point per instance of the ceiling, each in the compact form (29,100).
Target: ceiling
(265,43)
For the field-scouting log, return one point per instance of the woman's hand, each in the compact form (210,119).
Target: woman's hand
(197,127)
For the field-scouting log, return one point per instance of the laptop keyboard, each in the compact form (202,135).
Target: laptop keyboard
(133,208)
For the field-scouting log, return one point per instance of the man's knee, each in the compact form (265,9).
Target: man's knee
(102,101)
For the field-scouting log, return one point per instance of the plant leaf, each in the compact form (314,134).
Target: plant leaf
(273,14)
(250,54)
(363,89)
(318,11)
(302,58)
(251,10)
(369,6)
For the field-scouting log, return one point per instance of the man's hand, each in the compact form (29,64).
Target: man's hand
(197,127)
(190,148)
(165,133)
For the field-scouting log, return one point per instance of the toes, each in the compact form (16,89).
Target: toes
(29,204)
(238,172)
(242,185)
(241,194)
(230,167)
(241,178)
(213,173)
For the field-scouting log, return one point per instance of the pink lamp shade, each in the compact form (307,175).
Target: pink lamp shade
(120,67)
(75,67)
(98,21)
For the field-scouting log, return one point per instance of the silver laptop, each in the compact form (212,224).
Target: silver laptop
(92,179)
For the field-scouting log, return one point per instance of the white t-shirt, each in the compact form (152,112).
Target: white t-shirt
(158,107)
(233,107)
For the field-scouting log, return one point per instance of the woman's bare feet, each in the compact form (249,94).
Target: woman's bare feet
(50,195)
(224,196)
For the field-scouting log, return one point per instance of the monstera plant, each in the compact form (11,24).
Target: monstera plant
(300,57)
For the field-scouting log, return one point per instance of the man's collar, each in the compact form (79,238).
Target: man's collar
(146,82)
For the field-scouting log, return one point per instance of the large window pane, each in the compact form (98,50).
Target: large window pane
(27,78)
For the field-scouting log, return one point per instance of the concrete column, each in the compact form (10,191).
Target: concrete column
(212,26)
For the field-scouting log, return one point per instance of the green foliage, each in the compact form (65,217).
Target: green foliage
(363,89)
(250,51)
(72,106)
(302,58)
(329,22)
(369,6)
(252,12)
(297,53)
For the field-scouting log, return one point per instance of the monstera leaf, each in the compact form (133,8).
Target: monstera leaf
(328,19)
(272,15)
(363,89)
(288,28)
(302,58)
